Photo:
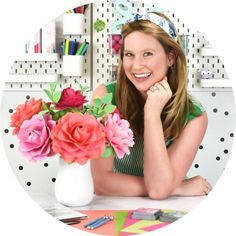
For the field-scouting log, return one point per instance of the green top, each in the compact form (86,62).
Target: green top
(132,164)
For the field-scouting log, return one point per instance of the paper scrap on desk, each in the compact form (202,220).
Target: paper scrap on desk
(62,212)
(156,226)
(53,207)
(138,226)
(120,217)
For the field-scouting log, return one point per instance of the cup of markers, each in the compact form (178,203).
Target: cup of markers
(73,57)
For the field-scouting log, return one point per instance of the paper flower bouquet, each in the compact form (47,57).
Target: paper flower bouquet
(70,127)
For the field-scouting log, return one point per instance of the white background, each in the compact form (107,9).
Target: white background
(20,19)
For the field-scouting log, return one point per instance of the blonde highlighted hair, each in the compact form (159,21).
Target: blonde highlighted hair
(129,100)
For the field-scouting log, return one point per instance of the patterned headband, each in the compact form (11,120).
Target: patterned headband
(158,20)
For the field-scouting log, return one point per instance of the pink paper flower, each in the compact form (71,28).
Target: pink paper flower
(34,137)
(118,134)
(71,98)
(78,138)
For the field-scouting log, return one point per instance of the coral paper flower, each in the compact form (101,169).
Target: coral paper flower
(71,98)
(118,134)
(78,138)
(34,137)
(25,112)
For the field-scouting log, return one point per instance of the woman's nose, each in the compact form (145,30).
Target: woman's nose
(138,63)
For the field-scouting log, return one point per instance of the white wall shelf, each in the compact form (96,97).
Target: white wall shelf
(215,83)
(32,78)
(38,57)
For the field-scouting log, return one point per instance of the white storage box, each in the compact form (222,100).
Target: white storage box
(73,23)
(73,65)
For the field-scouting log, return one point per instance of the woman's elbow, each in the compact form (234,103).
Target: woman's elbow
(161,191)
(158,194)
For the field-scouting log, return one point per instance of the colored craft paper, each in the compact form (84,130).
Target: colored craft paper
(120,217)
(122,225)
(137,228)
(156,226)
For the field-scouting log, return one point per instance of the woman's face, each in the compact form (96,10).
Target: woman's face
(145,61)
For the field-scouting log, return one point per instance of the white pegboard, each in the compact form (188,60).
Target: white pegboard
(99,60)
(219,103)
(22,67)
(103,59)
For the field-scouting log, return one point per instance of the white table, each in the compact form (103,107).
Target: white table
(128,203)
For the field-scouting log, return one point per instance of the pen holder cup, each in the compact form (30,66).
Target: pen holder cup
(73,65)
(73,24)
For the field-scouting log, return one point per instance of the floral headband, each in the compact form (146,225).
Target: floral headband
(158,20)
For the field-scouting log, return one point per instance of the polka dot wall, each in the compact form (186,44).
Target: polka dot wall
(99,66)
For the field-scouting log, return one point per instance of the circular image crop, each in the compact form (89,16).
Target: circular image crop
(112,118)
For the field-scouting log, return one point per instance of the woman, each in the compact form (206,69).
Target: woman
(169,126)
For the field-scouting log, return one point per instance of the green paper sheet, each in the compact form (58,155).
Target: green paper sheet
(120,217)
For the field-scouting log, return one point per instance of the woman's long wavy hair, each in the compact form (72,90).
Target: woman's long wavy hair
(128,98)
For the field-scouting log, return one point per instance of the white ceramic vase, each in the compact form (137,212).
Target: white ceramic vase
(74,184)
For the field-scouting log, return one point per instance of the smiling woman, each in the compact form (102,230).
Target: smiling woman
(151,94)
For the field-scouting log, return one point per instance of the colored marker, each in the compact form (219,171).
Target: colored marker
(94,221)
(67,45)
(82,45)
(85,49)
(100,223)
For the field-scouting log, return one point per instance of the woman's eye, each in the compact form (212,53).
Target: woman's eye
(147,54)
(128,54)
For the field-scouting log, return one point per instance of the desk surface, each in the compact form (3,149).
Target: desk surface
(119,208)
(129,203)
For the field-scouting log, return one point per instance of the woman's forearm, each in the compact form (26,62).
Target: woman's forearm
(120,185)
(158,173)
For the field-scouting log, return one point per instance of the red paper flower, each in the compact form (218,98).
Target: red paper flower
(70,98)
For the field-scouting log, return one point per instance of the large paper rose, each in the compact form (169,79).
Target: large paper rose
(78,138)
(25,112)
(118,134)
(34,137)
(70,98)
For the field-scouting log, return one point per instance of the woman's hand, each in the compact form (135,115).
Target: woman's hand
(157,97)
(195,186)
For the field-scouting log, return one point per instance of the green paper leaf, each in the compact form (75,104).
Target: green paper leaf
(44,106)
(43,112)
(109,108)
(82,88)
(97,102)
(56,96)
(107,98)
(108,152)
(53,87)
(48,94)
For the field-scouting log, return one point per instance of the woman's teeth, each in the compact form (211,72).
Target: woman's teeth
(144,75)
